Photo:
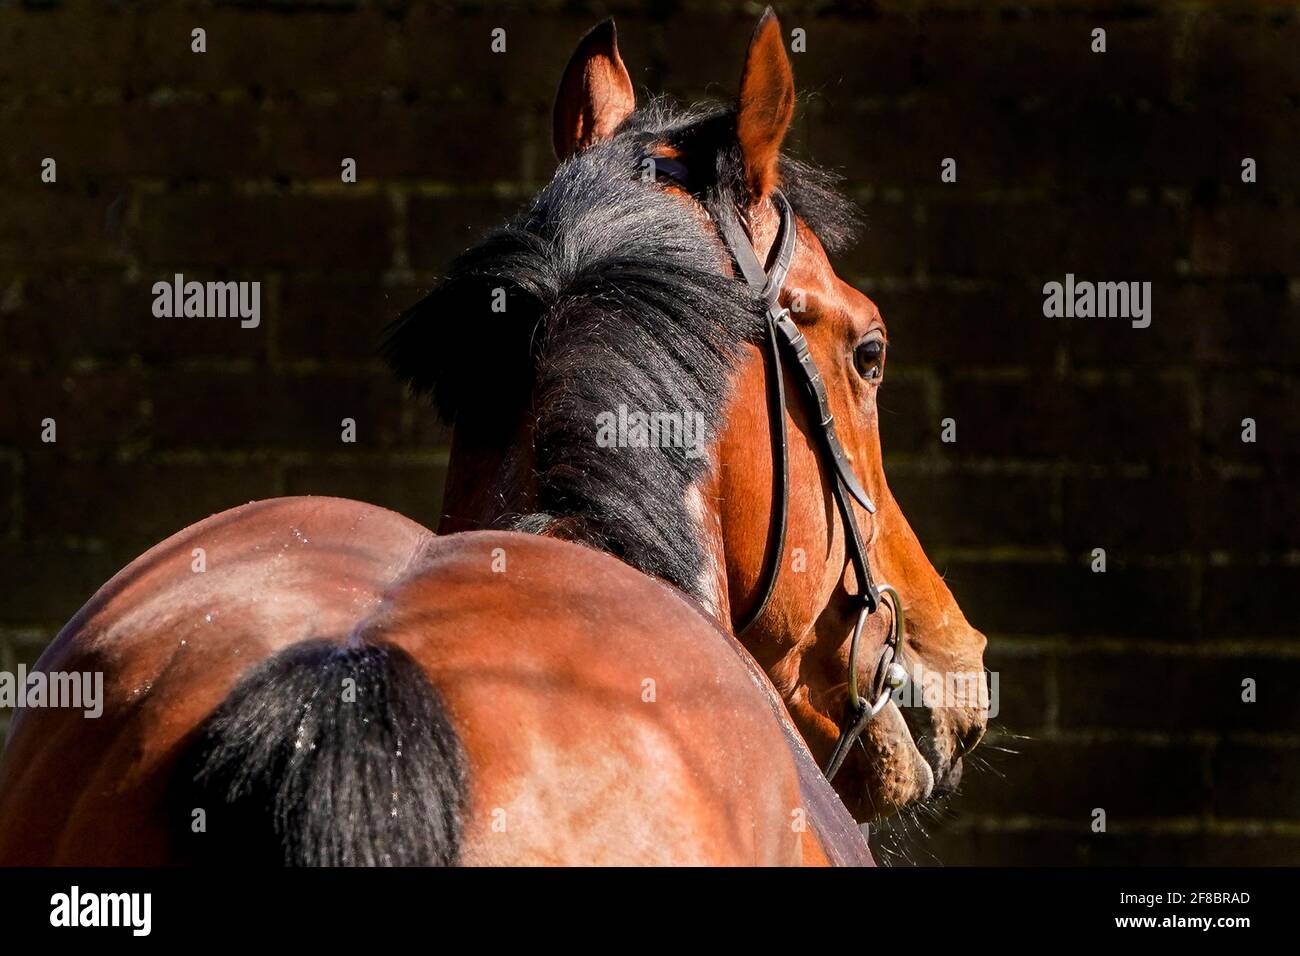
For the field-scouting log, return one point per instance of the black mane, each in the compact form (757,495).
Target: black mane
(615,294)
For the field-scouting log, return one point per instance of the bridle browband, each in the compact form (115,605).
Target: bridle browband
(785,339)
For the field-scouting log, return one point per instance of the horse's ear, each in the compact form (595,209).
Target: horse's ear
(765,106)
(595,94)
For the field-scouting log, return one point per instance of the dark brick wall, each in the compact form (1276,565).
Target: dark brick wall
(1119,691)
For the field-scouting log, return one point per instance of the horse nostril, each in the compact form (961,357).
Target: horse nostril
(950,780)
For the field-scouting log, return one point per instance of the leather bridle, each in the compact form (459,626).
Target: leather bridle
(784,340)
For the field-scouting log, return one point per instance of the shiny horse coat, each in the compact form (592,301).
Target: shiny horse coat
(602,718)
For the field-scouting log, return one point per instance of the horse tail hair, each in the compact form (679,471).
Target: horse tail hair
(325,755)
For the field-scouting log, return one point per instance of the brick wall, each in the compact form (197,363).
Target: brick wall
(1118,690)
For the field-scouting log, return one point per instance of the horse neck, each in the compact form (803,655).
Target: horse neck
(702,501)
(743,491)
(470,501)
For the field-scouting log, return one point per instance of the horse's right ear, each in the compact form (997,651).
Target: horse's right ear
(595,95)
(765,106)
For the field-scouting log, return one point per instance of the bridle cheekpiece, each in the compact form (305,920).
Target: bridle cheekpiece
(786,341)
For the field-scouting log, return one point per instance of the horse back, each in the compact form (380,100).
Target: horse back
(602,717)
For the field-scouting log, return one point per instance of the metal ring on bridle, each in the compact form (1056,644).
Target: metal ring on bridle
(892,643)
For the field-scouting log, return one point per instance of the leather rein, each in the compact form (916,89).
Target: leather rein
(786,342)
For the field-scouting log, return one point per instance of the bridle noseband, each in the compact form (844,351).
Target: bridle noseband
(785,339)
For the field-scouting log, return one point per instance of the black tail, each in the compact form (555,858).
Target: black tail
(325,755)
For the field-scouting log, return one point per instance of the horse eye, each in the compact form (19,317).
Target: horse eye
(869,358)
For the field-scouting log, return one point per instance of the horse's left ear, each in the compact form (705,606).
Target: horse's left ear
(595,94)
(765,106)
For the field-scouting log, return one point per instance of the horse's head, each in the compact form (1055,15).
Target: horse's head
(630,299)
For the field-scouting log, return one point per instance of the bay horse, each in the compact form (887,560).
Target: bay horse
(614,300)
(319,681)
